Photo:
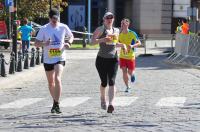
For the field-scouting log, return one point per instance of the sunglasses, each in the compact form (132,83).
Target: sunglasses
(109,17)
(54,18)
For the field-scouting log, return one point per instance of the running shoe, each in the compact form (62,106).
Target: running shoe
(110,109)
(133,78)
(53,109)
(128,90)
(56,109)
(103,105)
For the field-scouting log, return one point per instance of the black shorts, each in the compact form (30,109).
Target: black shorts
(50,67)
(107,69)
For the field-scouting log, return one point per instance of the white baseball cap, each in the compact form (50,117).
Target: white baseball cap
(108,14)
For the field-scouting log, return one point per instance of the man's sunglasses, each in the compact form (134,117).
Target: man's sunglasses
(55,18)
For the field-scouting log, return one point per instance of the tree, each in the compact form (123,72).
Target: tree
(37,8)
(2,10)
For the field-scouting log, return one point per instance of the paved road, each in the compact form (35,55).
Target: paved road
(163,99)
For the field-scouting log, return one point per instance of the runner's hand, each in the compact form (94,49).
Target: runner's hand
(129,47)
(125,49)
(107,39)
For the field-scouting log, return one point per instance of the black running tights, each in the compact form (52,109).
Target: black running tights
(107,69)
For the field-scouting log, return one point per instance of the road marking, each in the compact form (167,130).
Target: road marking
(124,101)
(20,103)
(73,101)
(171,102)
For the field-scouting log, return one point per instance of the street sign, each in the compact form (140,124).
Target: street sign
(76,16)
(8,3)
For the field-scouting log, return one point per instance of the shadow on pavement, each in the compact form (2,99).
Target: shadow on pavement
(191,106)
(48,120)
(155,62)
(140,125)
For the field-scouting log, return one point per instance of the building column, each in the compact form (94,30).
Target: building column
(111,5)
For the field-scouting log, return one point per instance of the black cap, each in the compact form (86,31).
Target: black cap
(53,13)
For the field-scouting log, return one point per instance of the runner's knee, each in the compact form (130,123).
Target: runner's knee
(57,79)
(103,84)
(52,84)
(111,82)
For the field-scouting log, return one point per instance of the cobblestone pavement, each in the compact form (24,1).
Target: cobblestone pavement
(163,99)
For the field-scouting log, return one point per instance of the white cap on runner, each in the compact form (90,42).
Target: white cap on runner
(108,14)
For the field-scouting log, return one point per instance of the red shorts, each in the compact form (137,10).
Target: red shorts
(130,64)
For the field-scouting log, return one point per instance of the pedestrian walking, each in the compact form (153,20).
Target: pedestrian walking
(107,59)
(127,58)
(178,28)
(26,32)
(52,38)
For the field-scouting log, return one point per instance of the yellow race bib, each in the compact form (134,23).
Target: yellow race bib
(56,52)
(114,38)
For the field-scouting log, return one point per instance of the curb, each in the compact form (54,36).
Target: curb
(19,77)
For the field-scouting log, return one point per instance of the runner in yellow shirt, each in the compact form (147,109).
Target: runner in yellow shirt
(127,58)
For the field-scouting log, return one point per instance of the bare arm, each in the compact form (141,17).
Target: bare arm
(71,39)
(121,45)
(39,43)
(33,32)
(138,43)
(68,43)
(95,37)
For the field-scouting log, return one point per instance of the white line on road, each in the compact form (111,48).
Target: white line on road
(20,103)
(124,101)
(171,102)
(73,101)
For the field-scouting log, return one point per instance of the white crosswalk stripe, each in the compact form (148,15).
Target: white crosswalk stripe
(72,101)
(21,103)
(124,101)
(171,102)
(75,101)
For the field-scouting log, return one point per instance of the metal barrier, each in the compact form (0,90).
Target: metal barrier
(187,50)
(155,37)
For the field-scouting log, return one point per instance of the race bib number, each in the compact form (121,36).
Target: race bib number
(114,38)
(54,53)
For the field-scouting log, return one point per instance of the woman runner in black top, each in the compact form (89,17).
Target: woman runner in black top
(107,59)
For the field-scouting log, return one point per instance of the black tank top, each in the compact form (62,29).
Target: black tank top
(106,50)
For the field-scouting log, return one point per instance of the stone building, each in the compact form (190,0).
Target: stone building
(148,16)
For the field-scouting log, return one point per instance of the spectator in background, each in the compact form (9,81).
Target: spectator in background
(26,32)
(19,35)
(178,29)
(185,27)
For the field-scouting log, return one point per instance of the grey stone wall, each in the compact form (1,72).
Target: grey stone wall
(152,16)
